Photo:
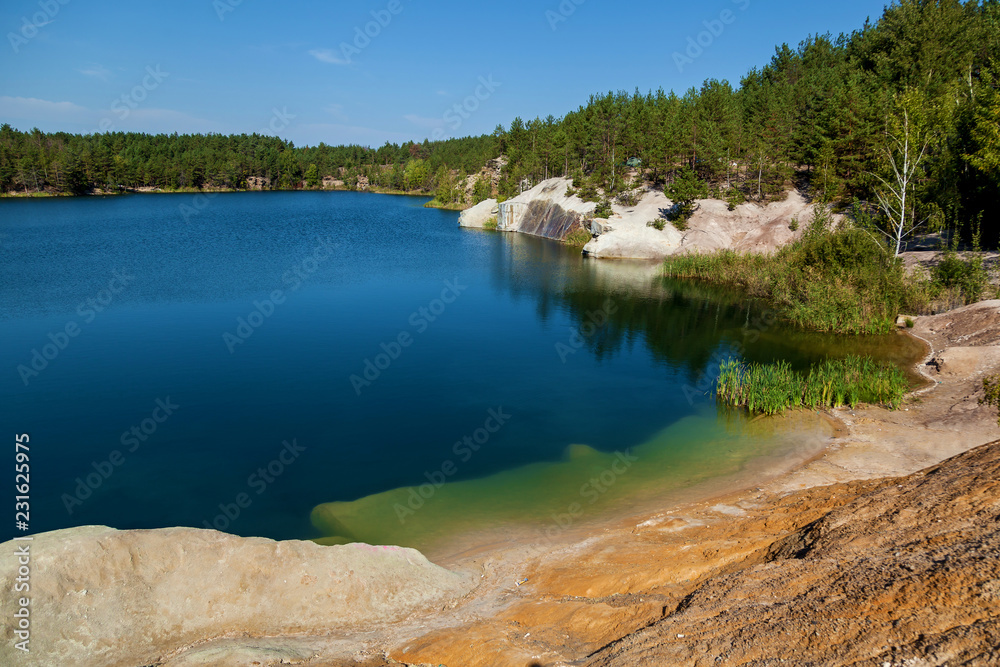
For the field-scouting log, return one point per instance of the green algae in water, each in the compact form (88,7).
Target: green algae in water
(586,485)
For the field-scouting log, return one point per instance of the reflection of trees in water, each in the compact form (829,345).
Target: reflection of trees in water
(682,323)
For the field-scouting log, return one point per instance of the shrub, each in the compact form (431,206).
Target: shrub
(659,223)
(794,224)
(603,209)
(991,393)
(578,238)
(685,189)
(967,275)
(734,197)
(839,281)
(491,223)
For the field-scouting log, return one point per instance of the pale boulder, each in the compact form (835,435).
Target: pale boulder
(103,597)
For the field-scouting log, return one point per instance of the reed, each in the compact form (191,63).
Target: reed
(841,281)
(773,388)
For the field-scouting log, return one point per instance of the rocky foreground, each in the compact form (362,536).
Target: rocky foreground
(885,550)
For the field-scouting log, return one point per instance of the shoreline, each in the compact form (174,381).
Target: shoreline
(612,562)
(606,585)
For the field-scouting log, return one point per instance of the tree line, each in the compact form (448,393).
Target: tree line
(835,116)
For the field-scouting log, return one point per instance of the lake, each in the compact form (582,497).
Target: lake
(347,366)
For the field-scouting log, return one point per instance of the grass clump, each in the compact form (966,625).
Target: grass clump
(773,388)
(839,281)
(659,224)
(491,223)
(991,393)
(578,238)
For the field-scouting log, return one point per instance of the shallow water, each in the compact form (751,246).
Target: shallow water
(328,351)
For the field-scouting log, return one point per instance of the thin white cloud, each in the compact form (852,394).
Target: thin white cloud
(427,123)
(337,111)
(96,71)
(327,56)
(34,109)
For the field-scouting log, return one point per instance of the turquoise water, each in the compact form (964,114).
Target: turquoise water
(272,353)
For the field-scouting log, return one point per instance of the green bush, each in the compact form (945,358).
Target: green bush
(491,223)
(685,189)
(991,393)
(968,276)
(659,223)
(734,197)
(837,281)
(603,209)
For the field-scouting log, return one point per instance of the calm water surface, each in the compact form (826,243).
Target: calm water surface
(315,365)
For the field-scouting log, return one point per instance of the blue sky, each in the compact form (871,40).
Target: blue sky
(246,65)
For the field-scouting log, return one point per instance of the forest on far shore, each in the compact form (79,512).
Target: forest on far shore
(840,117)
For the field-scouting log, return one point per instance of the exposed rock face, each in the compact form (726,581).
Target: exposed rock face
(258,183)
(477,215)
(906,575)
(105,597)
(545,210)
(748,228)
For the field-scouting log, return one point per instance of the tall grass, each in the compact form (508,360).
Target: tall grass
(772,388)
(836,281)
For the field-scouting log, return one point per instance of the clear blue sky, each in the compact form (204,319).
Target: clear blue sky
(66,68)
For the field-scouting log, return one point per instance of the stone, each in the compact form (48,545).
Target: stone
(100,596)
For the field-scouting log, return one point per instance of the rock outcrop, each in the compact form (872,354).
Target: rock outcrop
(477,215)
(102,597)
(545,210)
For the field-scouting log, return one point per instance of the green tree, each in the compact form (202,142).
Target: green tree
(685,189)
(312,176)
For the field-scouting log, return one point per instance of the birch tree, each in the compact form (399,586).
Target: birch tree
(907,140)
